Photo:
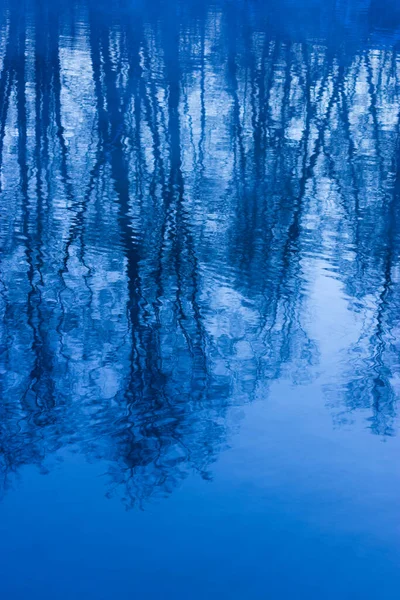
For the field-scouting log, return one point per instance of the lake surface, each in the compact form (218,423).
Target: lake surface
(199,299)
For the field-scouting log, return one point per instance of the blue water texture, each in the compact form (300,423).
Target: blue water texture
(199,299)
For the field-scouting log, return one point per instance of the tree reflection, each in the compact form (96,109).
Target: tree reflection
(174,180)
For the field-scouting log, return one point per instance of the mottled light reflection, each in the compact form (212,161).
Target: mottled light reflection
(197,200)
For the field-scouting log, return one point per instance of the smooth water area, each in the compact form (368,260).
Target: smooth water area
(199,299)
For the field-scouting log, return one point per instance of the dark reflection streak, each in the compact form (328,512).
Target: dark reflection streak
(37,397)
(307,169)
(243,208)
(23,170)
(373,109)
(269,215)
(383,398)
(148,337)
(150,372)
(14,42)
(203,114)
(288,276)
(153,117)
(54,58)
(29,239)
(260,116)
(6,84)
(110,132)
(352,210)
(269,210)
(149,96)
(200,174)
(250,197)
(232,36)
(340,103)
(78,209)
(293,233)
(176,189)
(102,153)
(292,269)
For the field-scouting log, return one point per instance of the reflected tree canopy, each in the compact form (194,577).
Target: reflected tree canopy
(178,180)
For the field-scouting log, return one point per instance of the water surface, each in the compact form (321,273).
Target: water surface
(199,299)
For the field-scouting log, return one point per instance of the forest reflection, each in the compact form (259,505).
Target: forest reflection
(175,178)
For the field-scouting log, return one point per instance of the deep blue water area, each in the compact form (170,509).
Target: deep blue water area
(199,299)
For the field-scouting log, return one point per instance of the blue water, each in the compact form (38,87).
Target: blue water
(199,299)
